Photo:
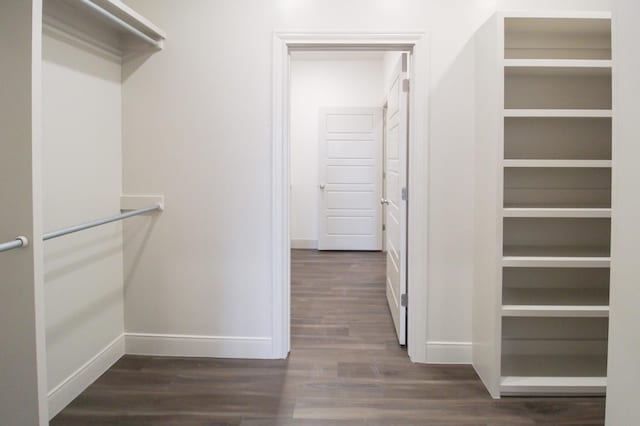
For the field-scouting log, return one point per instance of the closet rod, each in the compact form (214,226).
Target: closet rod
(121,23)
(17,243)
(83,226)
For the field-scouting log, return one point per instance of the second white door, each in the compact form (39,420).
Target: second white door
(396,195)
(350,179)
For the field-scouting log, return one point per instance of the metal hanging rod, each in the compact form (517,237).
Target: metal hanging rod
(122,23)
(21,241)
(93,224)
(17,243)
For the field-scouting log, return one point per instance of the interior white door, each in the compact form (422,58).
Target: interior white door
(395,165)
(350,179)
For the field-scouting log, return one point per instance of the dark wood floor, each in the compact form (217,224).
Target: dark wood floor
(345,368)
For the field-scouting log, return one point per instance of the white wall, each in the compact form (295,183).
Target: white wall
(82,176)
(22,348)
(323,79)
(197,128)
(624,339)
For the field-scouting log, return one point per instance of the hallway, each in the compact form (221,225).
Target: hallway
(345,368)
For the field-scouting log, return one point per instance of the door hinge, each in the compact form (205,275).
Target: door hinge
(405,85)
(404,194)
(384,227)
(404,300)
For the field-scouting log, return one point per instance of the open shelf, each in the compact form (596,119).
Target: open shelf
(555,286)
(556,296)
(510,112)
(557,88)
(574,311)
(557,38)
(557,138)
(554,187)
(561,66)
(558,163)
(555,262)
(557,237)
(559,251)
(110,25)
(557,212)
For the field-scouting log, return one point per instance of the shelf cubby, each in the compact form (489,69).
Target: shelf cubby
(555,286)
(557,38)
(580,88)
(552,187)
(554,355)
(569,138)
(557,237)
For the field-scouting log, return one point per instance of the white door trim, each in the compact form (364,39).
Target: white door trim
(418,179)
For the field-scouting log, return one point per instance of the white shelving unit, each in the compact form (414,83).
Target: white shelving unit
(543,203)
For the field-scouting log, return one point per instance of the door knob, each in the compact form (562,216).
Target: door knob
(384,201)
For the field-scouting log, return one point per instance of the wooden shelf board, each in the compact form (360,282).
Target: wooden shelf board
(558,163)
(555,311)
(569,113)
(555,262)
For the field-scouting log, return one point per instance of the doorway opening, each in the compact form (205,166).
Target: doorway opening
(348,177)
(352,196)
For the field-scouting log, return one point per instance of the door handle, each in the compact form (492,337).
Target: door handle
(384,201)
(321,186)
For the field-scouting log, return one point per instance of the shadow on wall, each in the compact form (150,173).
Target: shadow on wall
(72,251)
(136,233)
(77,318)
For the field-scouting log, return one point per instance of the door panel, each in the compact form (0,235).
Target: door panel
(395,207)
(350,173)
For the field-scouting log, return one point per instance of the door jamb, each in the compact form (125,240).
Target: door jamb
(418,174)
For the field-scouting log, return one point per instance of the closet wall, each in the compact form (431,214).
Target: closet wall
(82,169)
(323,79)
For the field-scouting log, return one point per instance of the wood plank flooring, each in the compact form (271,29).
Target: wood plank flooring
(345,368)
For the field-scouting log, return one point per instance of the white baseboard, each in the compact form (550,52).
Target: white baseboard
(448,352)
(198,346)
(66,391)
(304,244)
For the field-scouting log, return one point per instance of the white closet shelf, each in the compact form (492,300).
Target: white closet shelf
(558,163)
(126,14)
(555,262)
(109,25)
(556,295)
(523,385)
(573,311)
(559,113)
(565,65)
(557,212)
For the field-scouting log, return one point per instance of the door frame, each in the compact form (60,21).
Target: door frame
(418,174)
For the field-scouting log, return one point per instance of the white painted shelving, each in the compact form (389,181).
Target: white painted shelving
(559,113)
(543,205)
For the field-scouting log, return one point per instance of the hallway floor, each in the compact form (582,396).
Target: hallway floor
(345,368)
